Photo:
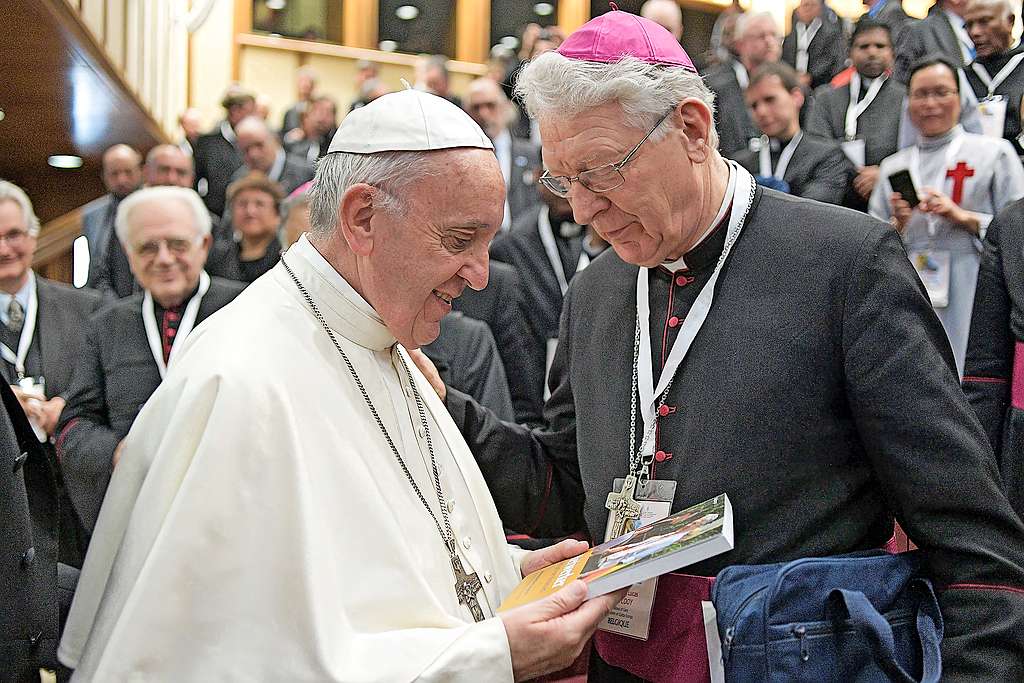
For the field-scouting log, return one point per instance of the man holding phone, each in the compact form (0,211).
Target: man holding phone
(942,192)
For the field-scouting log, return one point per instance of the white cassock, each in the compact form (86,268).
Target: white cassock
(258,527)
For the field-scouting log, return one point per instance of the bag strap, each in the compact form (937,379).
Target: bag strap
(878,632)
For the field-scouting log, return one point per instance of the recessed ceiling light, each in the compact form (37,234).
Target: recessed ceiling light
(65,161)
(407,12)
(543,9)
(275,4)
(388,46)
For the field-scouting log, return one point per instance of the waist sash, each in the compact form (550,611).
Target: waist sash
(1017,392)
(677,649)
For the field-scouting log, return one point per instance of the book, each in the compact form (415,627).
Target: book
(687,537)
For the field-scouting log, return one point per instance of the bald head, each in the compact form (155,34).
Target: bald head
(666,13)
(258,145)
(191,122)
(487,104)
(168,165)
(122,170)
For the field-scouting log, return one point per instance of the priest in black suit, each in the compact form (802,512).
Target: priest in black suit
(166,232)
(942,31)
(818,391)
(816,47)
(216,153)
(757,42)
(997,74)
(42,328)
(863,116)
(789,159)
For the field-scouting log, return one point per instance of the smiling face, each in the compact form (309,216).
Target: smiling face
(424,258)
(871,52)
(165,250)
(655,214)
(934,100)
(16,246)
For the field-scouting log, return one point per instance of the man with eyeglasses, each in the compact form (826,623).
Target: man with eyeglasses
(738,339)
(166,233)
(961,180)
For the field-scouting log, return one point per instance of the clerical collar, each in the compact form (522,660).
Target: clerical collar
(928,144)
(278,167)
(159,310)
(228,132)
(21,296)
(710,244)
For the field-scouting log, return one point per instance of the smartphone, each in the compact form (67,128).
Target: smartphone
(902,182)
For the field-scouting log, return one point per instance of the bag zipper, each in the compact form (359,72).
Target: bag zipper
(730,633)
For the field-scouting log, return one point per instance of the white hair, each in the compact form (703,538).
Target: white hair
(555,86)
(1002,6)
(748,19)
(151,195)
(9,192)
(390,173)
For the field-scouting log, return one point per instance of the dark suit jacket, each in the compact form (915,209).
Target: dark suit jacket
(540,292)
(109,272)
(114,377)
(933,34)
(97,223)
(28,548)
(63,316)
(467,358)
(818,169)
(895,17)
(499,305)
(732,119)
(216,160)
(821,394)
(522,189)
(826,55)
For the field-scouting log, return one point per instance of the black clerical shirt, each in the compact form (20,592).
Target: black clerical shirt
(1012,90)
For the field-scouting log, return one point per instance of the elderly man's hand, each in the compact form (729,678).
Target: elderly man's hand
(865,181)
(47,414)
(549,634)
(538,559)
(429,371)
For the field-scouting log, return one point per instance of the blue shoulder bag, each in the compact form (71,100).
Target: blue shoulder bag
(865,617)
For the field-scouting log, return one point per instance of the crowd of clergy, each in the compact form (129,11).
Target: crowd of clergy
(913,122)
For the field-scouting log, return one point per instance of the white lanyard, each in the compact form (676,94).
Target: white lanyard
(765,159)
(742,77)
(743,185)
(992,83)
(939,182)
(28,330)
(856,108)
(547,238)
(804,35)
(188,321)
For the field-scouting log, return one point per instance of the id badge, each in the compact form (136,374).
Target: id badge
(854,151)
(632,616)
(933,267)
(992,116)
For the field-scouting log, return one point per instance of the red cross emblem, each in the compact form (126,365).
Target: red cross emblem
(959,174)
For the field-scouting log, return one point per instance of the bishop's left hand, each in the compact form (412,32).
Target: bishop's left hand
(538,559)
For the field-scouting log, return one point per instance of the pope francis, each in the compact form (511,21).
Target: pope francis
(294,502)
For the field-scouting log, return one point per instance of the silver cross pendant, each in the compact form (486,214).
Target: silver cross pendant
(466,587)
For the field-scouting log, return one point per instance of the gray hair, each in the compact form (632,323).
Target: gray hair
(390,173)
(150,195)
(9,192)
(748,19)
(1002,6)
(553,85)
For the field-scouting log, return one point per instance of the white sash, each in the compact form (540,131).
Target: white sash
(804,35)
(765,158)
(856,108)
(188,321)
(547,238)
(939,181)
(742,77)
(742,196)
(28,330)
(991,83)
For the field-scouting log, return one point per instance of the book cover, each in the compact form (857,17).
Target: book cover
(687,537)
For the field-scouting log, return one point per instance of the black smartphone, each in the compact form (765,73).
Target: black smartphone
(902,182)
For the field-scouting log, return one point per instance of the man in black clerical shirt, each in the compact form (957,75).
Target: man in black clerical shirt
(997,74)
(108,266)
(216,153)
(789,159)
(863,116)
(166,234)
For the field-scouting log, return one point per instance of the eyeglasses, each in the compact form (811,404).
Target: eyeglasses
(14,238)
(941,94)
(176,245)
(601,179)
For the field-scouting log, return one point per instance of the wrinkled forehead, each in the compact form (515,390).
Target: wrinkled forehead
(164,217)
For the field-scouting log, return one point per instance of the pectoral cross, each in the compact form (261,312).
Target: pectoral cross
(624,506)
(466,587)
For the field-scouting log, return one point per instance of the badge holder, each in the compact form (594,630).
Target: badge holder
(933,267)
(632,616)
(35,387)
(992,116)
